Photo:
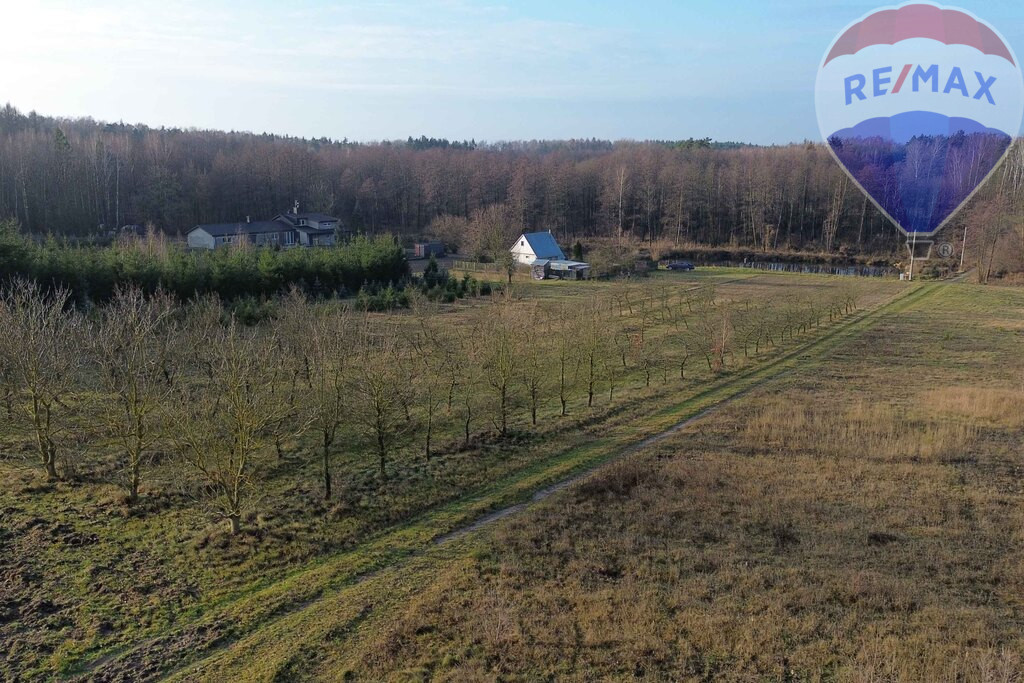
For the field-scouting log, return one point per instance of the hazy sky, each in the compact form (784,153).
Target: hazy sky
(728,69)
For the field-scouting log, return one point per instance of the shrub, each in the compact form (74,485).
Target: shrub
(92,274)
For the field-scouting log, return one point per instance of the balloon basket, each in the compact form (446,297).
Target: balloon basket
(918,250)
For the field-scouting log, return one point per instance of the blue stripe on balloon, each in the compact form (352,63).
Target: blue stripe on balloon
(919,166)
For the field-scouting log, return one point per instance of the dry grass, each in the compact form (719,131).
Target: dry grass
(82,576)
(812,531)
(981,405)
(864,430)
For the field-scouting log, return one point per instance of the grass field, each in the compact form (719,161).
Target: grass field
(845,510)
(858,518)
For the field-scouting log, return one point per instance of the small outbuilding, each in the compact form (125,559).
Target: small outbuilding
(428,249)
(559,269)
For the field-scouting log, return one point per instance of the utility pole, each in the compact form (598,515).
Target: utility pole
(963,249)
(913,252)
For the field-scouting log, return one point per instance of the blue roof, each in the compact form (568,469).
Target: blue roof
(543,245)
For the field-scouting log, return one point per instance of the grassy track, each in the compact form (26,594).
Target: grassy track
(856,518)
(258,634)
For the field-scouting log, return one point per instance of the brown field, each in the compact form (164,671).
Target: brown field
(848,507)
(861,519)
(90,587)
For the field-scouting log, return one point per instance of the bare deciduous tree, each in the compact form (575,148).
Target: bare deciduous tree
(989,225)
(499,358)
(593,343)
(221,421)
(434,346)
(380,391)
(41,359)
(566,356)
(133,349)
(326,355)
(534,366)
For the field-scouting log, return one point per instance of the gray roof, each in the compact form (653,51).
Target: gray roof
(253,228)
(562,264)
(318,217)
(294,218)
(280,223)
(543,245)
(309,229)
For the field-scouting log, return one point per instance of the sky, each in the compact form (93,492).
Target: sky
(367,70)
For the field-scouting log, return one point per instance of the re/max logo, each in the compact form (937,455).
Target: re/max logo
(922,76)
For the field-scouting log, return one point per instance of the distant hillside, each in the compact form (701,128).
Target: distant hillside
(77,177)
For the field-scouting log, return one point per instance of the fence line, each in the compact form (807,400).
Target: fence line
(818,268)
(476,266)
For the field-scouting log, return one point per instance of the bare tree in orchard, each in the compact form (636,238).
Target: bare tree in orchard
(566,355)
(434,348)
(753,327)
(500,357)
(677,312)
(221,421)
(611,371)
(591,330)
(645,348)
(380,391)
(294,367)
(133,346)
(709,333)
(40,359)
(471,382)
(325,353)
(534,366)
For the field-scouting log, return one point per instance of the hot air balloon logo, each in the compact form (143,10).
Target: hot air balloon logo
(919,104)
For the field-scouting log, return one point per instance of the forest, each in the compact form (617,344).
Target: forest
(82,177)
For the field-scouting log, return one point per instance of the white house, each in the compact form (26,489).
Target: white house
(536,245)
(546,259)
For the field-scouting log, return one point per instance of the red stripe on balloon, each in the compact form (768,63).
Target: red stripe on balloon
(903,77)
(949,26)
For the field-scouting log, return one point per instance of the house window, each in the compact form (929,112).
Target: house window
(289,238)
(522,243)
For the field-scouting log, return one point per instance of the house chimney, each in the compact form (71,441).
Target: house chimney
(248,219)
(295,209)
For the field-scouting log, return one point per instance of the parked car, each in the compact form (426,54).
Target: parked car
(680,265)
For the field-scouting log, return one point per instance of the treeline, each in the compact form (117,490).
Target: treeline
(93,274)
(80,176)
(147,379)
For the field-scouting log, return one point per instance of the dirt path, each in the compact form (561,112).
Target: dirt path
(543,493)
